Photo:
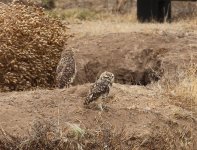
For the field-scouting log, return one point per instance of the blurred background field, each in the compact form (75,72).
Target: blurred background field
(107,9)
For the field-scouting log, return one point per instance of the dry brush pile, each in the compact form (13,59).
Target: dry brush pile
(48,136)
(30,47)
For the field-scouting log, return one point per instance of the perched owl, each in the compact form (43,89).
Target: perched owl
(100,88)
(66,69)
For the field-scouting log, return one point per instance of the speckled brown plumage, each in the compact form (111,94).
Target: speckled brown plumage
(100,88)
(66,69)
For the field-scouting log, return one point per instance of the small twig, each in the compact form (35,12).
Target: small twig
(58,121)
(142,143)
(4,133)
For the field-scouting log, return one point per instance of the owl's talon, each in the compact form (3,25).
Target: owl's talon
(106,108)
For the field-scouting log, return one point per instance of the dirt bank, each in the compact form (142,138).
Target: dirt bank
(150,121)
(134,58)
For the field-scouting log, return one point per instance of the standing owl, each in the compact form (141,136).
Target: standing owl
(66,69)
(100,88)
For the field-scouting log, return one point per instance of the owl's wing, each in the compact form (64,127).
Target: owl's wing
(66,68)
(99,88)
(60,66)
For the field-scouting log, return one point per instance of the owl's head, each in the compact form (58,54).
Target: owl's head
(69,52)
(108,76)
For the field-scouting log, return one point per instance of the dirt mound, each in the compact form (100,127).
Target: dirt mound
(148,119)
(30,47)
(134,58)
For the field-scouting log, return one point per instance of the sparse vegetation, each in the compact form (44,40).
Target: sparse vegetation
(72,14)
(45,135)
(182,88)
(184,11)
(84,14)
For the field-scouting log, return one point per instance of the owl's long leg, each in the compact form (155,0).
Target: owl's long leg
(100,106)
(104,96)
(67,85)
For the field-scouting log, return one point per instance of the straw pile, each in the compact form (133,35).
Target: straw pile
(30,47)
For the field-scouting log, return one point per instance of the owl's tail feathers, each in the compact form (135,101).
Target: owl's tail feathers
(88,99)
(60,85)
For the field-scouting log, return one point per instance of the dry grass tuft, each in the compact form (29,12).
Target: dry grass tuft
(74,15)
(30,47)
(182,88)
(185,10)
(47,136)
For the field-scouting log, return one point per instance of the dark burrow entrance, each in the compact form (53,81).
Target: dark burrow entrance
(142,76)
(148,69)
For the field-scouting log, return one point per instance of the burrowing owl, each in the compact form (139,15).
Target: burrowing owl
(66,69)
(100,88)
